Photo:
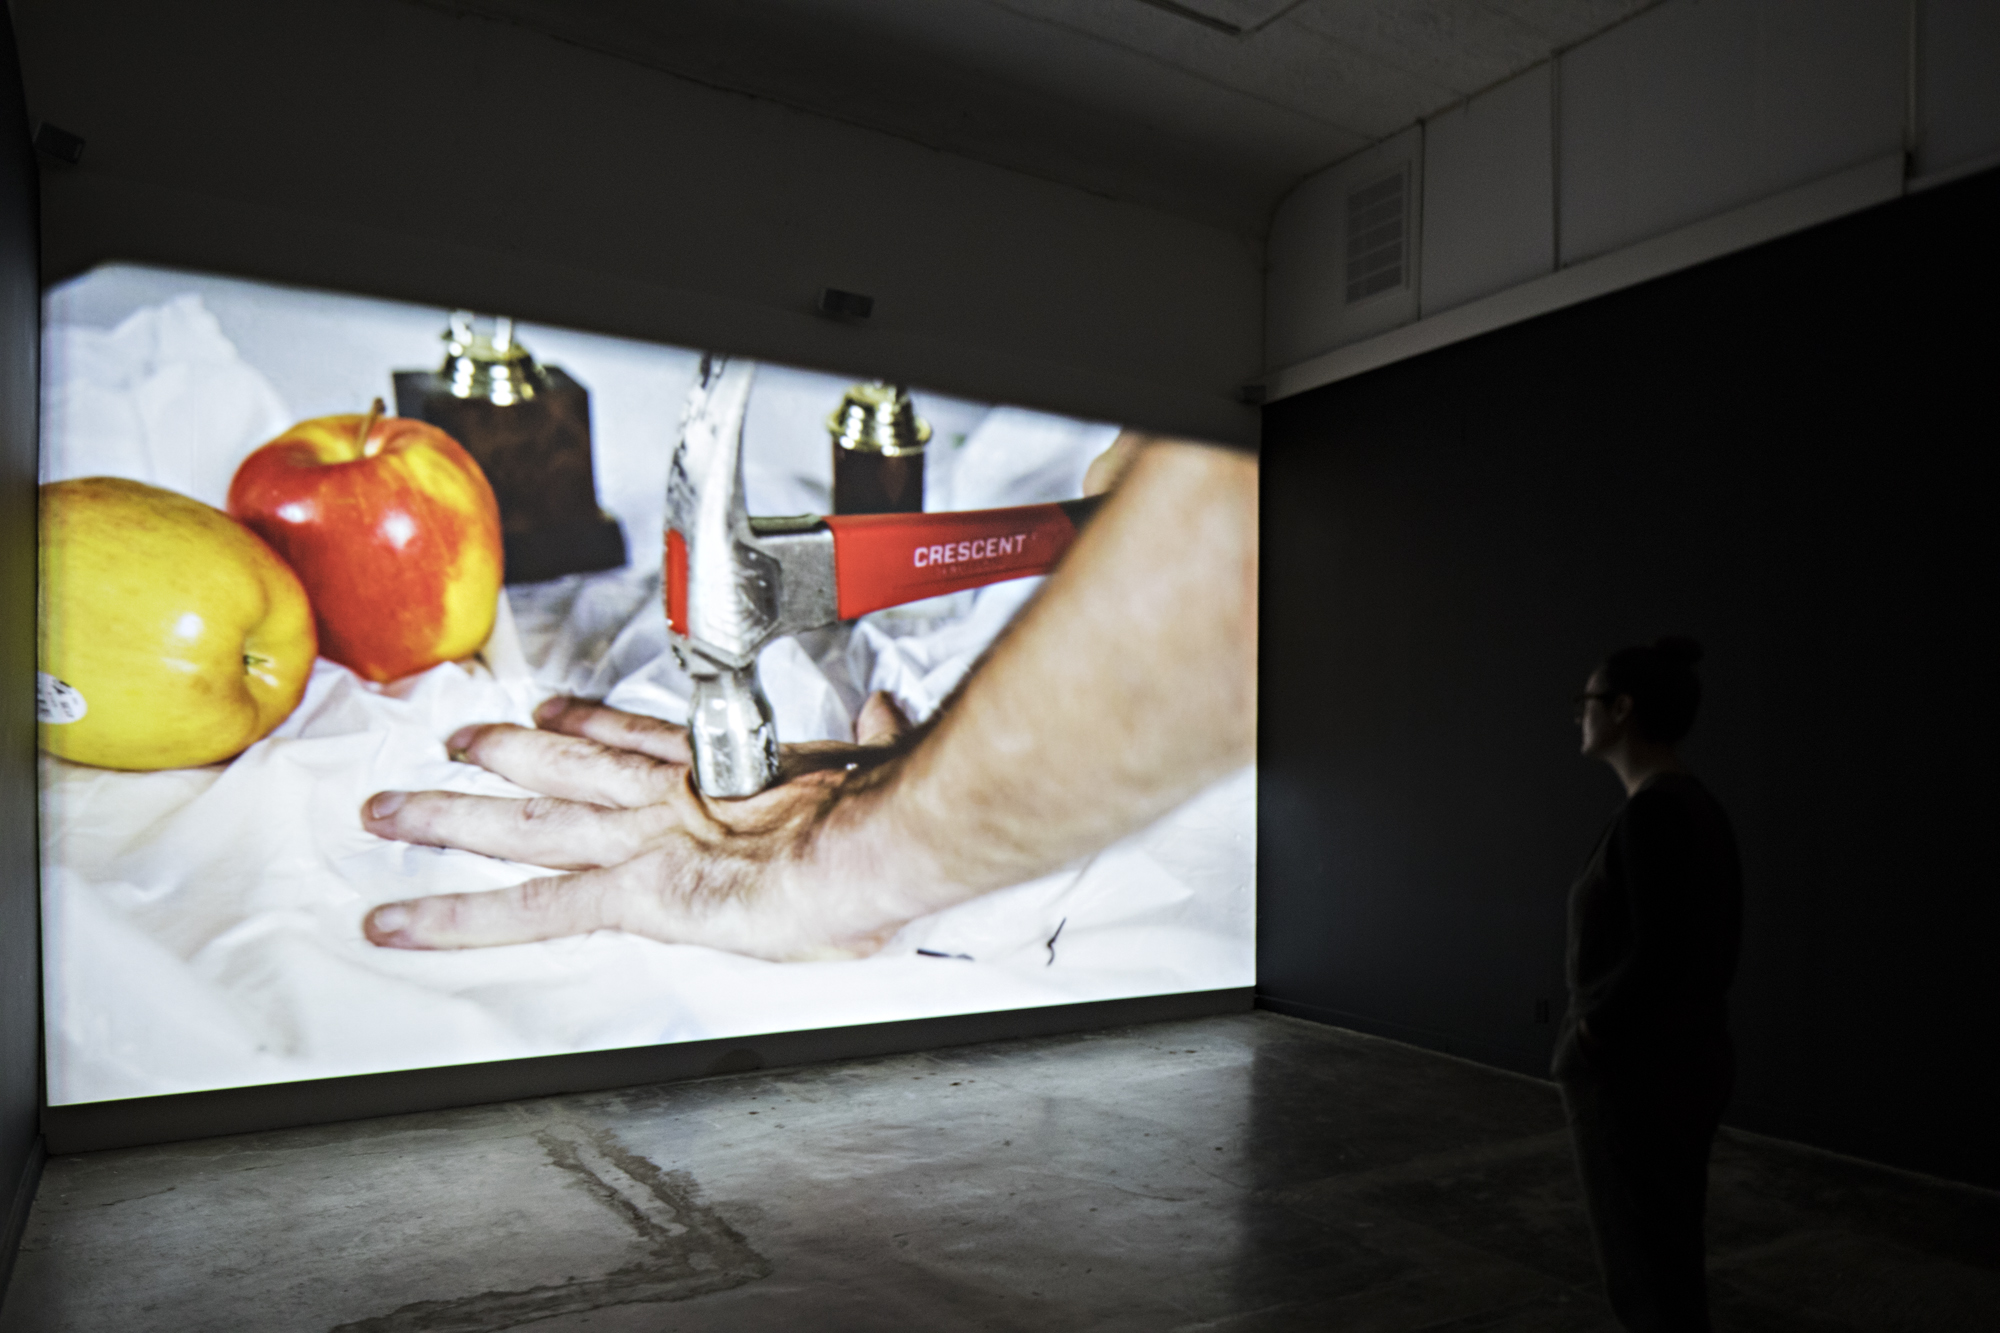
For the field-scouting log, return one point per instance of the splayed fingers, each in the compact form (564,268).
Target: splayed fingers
(544,831)
(539,909)
(614,728)
(568,766)
(679,894)
(655,857)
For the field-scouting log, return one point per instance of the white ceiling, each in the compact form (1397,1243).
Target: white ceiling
(1212,109)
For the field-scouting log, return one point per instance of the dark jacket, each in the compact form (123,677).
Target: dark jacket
(1654,925)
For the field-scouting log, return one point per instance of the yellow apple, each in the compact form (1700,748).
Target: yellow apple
(171,635)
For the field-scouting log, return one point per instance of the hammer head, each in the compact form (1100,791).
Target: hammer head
(732,587)
(720,600)
(727,605)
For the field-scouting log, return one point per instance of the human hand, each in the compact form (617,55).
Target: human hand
(798,871)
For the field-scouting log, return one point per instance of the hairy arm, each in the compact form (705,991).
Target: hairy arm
(1128,685)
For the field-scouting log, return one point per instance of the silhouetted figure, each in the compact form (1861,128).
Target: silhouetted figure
(1644,1058)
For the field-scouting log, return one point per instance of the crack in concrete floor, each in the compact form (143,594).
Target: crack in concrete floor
(693,1250)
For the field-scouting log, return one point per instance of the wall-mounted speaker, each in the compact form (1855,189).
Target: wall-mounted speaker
(845,305)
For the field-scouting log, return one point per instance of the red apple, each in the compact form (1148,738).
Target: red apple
(392,528)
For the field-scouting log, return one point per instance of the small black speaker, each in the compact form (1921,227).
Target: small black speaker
(845,305)
(58,143)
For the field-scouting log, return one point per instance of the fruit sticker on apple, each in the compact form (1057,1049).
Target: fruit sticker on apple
(392,528)
(170,635)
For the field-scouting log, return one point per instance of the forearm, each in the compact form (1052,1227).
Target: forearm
(1127,686)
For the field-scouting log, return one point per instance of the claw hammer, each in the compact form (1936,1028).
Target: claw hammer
(734,583)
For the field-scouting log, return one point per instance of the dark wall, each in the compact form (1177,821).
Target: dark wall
(20,929)
(1786,453)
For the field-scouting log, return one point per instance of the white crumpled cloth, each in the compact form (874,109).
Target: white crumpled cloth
(202,926)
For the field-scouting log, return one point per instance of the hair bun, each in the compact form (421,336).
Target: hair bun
(1678,648)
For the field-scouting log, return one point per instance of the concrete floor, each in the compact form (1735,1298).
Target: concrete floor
(1241,1173)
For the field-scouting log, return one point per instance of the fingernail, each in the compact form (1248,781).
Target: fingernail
(385,803)
(460,742)
(548,710)
(391,918)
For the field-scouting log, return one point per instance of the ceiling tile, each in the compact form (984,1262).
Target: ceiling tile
(1128,98)
(1565,22)
(1461,45)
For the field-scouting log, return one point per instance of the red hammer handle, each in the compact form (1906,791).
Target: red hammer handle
(888,559)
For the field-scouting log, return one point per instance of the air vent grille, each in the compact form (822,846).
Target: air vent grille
(1378,236)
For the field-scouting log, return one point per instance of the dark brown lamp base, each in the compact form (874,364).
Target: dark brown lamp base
(549,552)
(536,453)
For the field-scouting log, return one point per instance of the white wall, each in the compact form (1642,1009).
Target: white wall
(1698,107)
(1308,241)
(400,150)
(1698,126)
(1489,192)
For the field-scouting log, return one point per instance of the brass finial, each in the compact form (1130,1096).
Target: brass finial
(482,360)
(878,418)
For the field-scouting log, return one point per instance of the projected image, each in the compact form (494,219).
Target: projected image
(385,649)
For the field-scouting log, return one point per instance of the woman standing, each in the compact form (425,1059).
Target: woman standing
(1644,1058)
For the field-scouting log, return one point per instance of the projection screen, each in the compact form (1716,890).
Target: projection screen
(205,881)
